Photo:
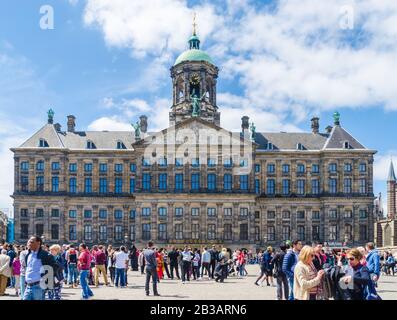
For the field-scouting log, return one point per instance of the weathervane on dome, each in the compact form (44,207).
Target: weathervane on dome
(194,24)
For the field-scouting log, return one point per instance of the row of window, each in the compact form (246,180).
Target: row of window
(89,144)
(271,168)
(179,211)
(179,234)
(195,184)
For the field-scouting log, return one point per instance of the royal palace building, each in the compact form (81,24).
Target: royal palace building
(194,182)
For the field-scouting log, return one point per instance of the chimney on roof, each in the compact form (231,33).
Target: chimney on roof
(315,125)
(71,123)
(245,125)
(57,127)
(143,123)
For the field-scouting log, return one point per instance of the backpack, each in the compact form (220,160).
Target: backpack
(72,256)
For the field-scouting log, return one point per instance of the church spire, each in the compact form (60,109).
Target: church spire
(194,41)
(391,176)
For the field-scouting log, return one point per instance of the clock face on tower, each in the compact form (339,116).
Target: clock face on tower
(195,79)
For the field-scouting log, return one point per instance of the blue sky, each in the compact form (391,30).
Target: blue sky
(107,62)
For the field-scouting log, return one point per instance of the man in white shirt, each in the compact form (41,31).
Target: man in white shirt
(121,263)
(205,262)
(186,263)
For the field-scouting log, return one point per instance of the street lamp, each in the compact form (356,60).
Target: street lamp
(346,239)
(126,239)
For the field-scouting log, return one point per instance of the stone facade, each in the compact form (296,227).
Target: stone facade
(3,226)
(118,187)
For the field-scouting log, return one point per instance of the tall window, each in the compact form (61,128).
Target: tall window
(243,212)
(271,233)
(227,162)
(332,214)
(271,215)
(332,185)
(103,214)
(211,181)
(347,185)
(87,214)
(88,167)
(72,232)
(257,234)
(146,212)
(103,185)
(24,213)
(348,167)
(87,185)
(315,168)
(244,182)
(146,182)
(227,181)
(363,214)
(162,231)
(211,212)
(285,168)
(132,214)
(163,162)
(72,167)
(178,212)
(286,215)
(103,232)
(211,162)
(195,231)
(301,168)
(39,213)
(118,185)
(285,233)
(195,211)
(40,183)
(179,182)
(301,232)
(257,186)
(227,232)
(162,181)
(118,167)
(301,187)
(179,162)
(39,228)
(271,168)
(55,184)
(88,232)
(286,187)
(24,166)
(300,215)
(118,214)
(332,168)
(316,215)
(72,185)
(195,182)
(363,186)
(270,187)
(211,234)
(133,167)
(349,231)
(162,211)
(257,168)
(24,183)
(243,231)
(179,231)
(72,214)
(146,162)
(118,233)
(55,166)
(315,186)
(55,231)
(333,232)
(316,233)
(363,167)
(40,165)
(103,167)
(348,214)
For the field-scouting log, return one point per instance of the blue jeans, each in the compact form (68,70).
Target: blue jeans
(291,288)
(241,270)
(22,285)
(120,276)
(84,284)
(73,274)
(33,293)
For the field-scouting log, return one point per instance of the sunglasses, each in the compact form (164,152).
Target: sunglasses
(352,259)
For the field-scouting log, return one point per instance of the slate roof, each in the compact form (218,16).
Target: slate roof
(391,176)
(107,140)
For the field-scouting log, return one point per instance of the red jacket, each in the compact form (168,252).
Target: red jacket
(85,260)
(100,258)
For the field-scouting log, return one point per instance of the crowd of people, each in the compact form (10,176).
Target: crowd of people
(39,272)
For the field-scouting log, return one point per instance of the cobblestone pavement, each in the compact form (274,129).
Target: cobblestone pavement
(232,289)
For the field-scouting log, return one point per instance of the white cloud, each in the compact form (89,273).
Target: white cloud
(110,124)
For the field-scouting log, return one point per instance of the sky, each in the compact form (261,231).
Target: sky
(281,62)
